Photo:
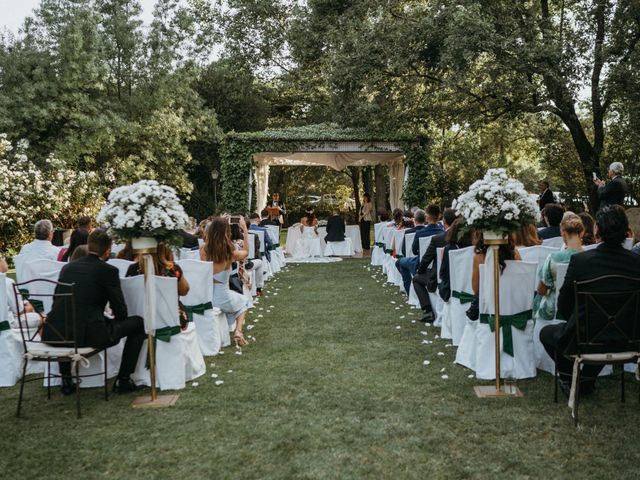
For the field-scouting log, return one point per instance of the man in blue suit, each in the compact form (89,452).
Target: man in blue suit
(407,265)
(254,226)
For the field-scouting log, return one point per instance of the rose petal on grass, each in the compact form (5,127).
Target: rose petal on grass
(219,382)
(214,375)
(229,371)
(441,354)
(444,377)
(424,332)
(195,384)
(398,327)
(426,362)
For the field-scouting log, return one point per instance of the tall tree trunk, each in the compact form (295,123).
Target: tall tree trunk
(354,173)
(380,200)
(367,181)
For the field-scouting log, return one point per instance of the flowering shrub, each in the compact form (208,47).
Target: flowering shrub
(144,209)
(29,193)
(497,203)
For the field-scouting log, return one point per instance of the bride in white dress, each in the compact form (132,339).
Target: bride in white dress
(308,245)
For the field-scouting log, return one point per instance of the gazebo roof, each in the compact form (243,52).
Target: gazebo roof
(359,139)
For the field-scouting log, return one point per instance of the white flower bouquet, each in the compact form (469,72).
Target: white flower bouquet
(144,209)
(497,203)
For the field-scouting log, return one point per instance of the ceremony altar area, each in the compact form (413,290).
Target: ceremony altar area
(352,232)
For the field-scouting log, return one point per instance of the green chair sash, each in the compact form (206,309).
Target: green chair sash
(379,244)
(464,297)
(517,320)
(164,335)
(199,309)
(4,326)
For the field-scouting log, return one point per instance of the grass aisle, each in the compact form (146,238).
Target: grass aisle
(330,389)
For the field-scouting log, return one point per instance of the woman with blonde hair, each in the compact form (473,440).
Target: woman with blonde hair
(571,230)
(220,250)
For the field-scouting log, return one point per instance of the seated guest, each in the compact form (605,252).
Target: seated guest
(96,283)
(267,219)
(544,304)
(79,252)
(335,227)
(254,226)
(505,252)
(126,253)
(408,265)
(589,236)
(78,237)
(527,236)
(609,258)
(425,280)
(41,247)
(552,216)
(164,266)
(15,305)
(220,250)
(419,219)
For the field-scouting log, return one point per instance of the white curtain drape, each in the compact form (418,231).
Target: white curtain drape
(396,184)
(261,175)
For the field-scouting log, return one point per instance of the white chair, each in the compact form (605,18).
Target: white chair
(437,304)
(10,354)
(398,242)
(408,241)
(377,253)
(339,249)
(198,303)
(177,353)
(555,242)
(516,302)
(424,243)
(537,254)
(41,269)
(121,264)
(188,254)
(18,262)
(628,243)
(456,325)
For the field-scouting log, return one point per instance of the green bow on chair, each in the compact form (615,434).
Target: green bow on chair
(163,334)
(517,320)
(197,309)
(464,297)
(38,306)
(4,326)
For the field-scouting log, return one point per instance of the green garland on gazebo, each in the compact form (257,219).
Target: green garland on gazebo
(236,157)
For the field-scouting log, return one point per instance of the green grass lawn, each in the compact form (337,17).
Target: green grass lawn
(330,389)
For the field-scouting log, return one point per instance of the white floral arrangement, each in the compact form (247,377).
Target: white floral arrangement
(497,203)
(144,209)
(322,223)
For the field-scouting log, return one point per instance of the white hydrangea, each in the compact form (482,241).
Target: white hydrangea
(145,208)
(497,202)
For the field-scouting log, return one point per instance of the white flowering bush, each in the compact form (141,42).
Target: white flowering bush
(144,209)
(53,190)
(497,203)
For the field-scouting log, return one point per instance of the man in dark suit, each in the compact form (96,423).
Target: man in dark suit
(552,216)
(267,220)
(96,283)
(407,266)
(254,226)
(335,227)
(612,193)
(546,196)
(610,258)
(425,280)
(419,220)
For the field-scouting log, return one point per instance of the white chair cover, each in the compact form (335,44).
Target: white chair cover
(177,360)
(387,236)
(408,241)
(339,249)
(18,261)
(377,253)
(537,254)
(187,254)
(437,304)
(456,320)
(517,284)
(628,243)
(121,264)
(46,270)
(398,241)
(556,242)
(252,245)
(10,354)
(199,276)
(424,243)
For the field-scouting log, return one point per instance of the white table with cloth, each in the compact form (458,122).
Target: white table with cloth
(352,232)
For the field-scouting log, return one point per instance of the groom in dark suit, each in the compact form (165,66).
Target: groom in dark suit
(335,227)
(610,258)
(96,283)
